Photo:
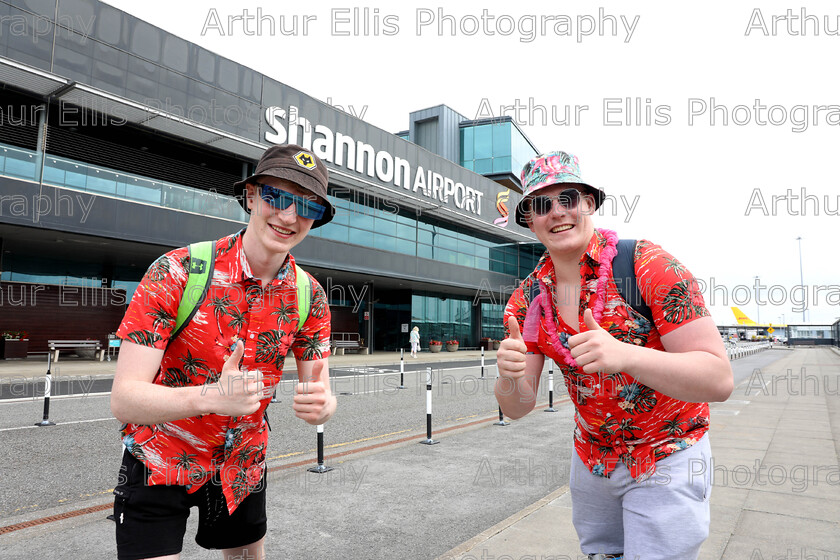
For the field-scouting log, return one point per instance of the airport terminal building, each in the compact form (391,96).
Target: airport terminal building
(120,141)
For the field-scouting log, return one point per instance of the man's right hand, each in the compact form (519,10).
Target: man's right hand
(510,358)
(236,393)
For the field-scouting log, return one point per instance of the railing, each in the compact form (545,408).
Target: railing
(66,173)
(741,349)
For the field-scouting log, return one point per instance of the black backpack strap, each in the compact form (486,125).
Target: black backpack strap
(624,274)
(535,291)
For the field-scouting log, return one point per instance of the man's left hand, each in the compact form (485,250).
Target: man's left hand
(595,350)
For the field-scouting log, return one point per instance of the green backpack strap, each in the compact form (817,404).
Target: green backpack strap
(304,294)
(199,276)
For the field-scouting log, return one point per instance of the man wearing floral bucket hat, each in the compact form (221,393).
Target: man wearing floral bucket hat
(640,474)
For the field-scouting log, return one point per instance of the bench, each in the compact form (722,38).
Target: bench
(59,345)
(343,341)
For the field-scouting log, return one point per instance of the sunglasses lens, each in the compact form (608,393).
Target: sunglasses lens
(541,205)
(282,200)
(276,197)
(569,198)
(309,209)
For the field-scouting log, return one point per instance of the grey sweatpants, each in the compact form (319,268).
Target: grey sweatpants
(665,517)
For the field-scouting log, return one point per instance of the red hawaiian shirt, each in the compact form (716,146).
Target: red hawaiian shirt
(187,452)
(618,418)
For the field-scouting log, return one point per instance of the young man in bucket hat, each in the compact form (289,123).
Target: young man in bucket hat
(640,473)
(193,404)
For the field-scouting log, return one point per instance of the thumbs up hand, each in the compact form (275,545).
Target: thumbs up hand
(236,392)
(313,400)
(510,358)
(595,350)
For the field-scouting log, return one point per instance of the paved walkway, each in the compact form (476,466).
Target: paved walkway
(776,495)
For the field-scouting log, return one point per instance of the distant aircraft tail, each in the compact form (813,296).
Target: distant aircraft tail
(741,318)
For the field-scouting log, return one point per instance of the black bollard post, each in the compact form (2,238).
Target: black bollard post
(402,369)
(320,467)
(429,440)
(550,387)
(47,391)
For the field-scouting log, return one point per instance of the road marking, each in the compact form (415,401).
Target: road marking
(53,398)
(58,424)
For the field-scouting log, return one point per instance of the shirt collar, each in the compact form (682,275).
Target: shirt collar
(245,272)
(592,256)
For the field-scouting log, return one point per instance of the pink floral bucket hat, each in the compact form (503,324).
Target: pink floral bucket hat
(549,169)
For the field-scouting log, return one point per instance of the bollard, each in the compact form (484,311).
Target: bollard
(320,467)
(501,421)
(429,440)
(47,390)
(550,387)
(482,362)
(274,394)
(402,369)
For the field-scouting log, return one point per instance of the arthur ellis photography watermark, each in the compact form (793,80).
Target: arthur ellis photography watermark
(638,111)
(799,478)
(39,206)
(793,384)
(801,203)
(801,553)
(425,23)
(41,28)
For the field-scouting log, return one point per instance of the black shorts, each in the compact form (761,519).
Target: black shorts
(151,520)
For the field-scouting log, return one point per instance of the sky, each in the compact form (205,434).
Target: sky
(713,129)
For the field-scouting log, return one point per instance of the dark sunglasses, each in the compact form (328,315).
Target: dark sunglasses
(281,199)
(542,204)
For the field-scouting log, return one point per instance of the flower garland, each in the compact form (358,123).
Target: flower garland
(604,271)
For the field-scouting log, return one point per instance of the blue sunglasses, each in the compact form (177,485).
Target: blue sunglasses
(281,199)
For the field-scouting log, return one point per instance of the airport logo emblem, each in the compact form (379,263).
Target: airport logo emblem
(502,198)
(305,160)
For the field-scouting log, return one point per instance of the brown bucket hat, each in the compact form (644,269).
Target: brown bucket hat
(295,164)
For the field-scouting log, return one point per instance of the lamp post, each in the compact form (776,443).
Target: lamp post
(801,278)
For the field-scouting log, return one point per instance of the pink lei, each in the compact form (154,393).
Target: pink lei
(604,270)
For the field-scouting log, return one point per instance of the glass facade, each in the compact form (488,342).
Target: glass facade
(69,272)
(380,224)
(492,320)
(443,319)
(61,172)
(492,148)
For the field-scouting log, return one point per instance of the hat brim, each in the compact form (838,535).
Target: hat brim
(521,216)
(302,180)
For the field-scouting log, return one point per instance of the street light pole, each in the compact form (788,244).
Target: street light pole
(801,278)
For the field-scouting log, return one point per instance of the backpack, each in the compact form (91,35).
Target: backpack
(624,274)
(200,274)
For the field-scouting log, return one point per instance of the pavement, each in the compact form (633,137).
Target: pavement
(776,494)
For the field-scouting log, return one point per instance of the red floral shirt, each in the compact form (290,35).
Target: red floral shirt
(618,418)
(188,451)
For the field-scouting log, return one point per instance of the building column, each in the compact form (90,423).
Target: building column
(41,145)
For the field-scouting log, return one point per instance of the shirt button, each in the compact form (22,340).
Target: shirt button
(608,414)
(251,335)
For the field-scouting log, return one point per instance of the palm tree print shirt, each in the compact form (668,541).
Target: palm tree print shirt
(618,418)
(237,307)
